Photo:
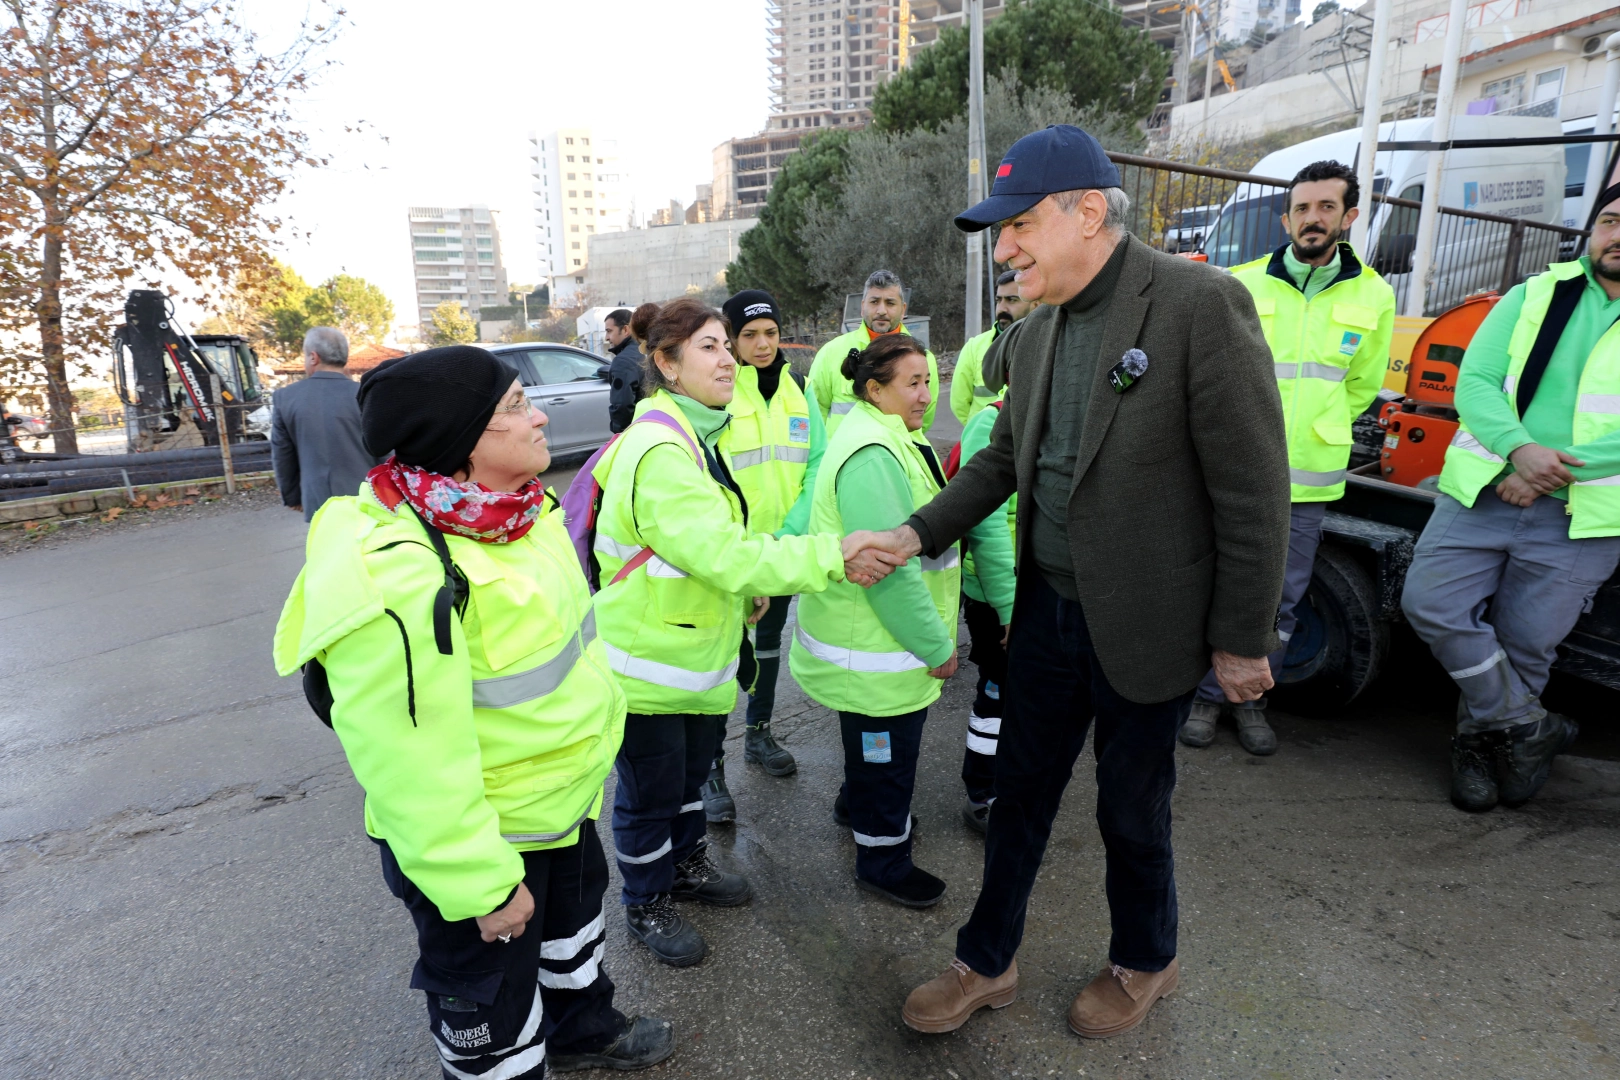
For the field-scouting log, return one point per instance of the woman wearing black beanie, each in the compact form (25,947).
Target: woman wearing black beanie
(447,609)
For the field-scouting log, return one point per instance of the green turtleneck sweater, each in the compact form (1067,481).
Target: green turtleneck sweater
(1309,279)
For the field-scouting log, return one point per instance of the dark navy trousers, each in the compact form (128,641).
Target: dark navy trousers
(1055,686)
(984,721)
(658,817)
(768,655)
(880,773)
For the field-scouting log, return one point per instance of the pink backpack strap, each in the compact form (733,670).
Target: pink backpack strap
(657,416)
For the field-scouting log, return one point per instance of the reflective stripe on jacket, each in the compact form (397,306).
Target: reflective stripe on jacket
(767,446)
(672,628)
(1330,354)
(842,655)
(1594,505)
(465,759)
(833,391)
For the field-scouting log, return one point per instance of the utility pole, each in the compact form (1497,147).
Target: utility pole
(1209,66)
(1429,217)
(1372,107)
(973,316)
(1604,125)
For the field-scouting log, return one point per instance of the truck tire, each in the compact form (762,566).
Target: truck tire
(1341,639)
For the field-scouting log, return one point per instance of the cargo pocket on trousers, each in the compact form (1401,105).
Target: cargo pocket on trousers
(1441,518)
(481,985)
(1595,560)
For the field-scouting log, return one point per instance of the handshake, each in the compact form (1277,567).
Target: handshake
(869,557)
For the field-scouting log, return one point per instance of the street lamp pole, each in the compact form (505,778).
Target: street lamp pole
(973,318)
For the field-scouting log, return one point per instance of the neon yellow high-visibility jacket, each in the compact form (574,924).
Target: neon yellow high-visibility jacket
(1330,352)
(845,654)
(968,392)
(987,552)
(466,759)
(833,391)
(1594,503)
(673,627)
(769,446)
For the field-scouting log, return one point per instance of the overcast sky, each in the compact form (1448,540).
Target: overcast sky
(448,93)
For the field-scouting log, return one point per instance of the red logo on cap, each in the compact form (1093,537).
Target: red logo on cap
(1005,170)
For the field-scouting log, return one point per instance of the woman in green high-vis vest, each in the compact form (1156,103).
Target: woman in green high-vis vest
(880,656)
(681,573)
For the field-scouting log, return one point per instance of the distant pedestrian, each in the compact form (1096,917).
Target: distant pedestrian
(883,311)
(315,444)
(969,394)
(624,371)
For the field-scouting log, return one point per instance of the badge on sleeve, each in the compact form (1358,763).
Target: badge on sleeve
(1350,343)
(798,430)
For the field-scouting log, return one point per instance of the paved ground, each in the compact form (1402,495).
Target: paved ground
(185,890)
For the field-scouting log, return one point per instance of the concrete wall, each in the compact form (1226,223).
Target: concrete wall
(629,268)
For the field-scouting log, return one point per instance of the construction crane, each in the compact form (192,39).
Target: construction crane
(1209,35)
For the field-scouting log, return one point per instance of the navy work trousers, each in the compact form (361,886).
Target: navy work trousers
(768,655)
(880,773)
(658,817)
(496,1007)
(984,721)
(1055,685)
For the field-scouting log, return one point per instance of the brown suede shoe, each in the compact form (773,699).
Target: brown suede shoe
(1119,999)
(945,1003)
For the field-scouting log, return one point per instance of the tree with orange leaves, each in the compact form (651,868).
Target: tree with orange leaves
(137,138)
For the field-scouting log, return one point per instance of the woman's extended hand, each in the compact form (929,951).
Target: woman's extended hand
(508,922)
(865,562)
(945,670)
(762,604)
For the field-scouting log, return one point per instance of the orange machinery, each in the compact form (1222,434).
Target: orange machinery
(1419,426)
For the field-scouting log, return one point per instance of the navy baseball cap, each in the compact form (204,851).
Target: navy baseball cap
(1058,158)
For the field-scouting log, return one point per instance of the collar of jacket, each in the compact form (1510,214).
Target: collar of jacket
(1349,267)
(707,422)
(328,373)
(627,343)
(888,420)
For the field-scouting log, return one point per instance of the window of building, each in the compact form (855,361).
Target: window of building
(587,193)
(570,158)
(1508,91)
(573,194)
(584,142)
(571,176)
(573,228)
(569,140)
(575,246)
(604,213)
(592,228)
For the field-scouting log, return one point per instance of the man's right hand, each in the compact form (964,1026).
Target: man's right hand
(1543,467)
(901,541)
(509,920)
(1515,490)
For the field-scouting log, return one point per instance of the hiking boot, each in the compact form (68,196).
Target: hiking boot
(761,748)
(644,1041)
(718,805)
(945,1003)
(1199,730)
(917,889)
(1118,999)
(1473,782)
(976,815)
(699,879)
(661,928)
(841,810)
(1254,733)
(1525,756)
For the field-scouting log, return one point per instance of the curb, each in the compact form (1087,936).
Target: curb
(102,499)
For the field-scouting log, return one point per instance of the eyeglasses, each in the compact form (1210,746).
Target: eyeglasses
(517,408)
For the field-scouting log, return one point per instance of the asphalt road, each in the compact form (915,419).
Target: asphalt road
(186,890)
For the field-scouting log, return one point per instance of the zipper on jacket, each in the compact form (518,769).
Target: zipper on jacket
(410,674)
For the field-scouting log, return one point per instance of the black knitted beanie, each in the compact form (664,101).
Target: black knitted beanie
(430,409)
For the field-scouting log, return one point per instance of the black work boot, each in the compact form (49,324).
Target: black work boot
(1199,730)
(1254,734)
(1473,782)
(718,805)
(1525,756)
(976,815)
(699,879)
(645,1041)
(761,748)
(918,889)
(661,928)
(841,810)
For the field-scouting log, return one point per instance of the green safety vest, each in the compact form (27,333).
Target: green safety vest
(827,370)
(1594,505)
(1313,345)
(468,758)
(767,446)
(969,372)
(842,656)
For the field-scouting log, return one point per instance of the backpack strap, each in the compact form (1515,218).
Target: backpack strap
(1566,297)
(452,594)
(656,416)
(797,378)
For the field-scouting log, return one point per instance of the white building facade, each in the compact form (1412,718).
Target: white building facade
(580,189)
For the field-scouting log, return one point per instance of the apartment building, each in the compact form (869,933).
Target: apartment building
(827,58)
(580,189)
(456,255)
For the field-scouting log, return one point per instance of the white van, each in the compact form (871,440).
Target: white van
(1519,182)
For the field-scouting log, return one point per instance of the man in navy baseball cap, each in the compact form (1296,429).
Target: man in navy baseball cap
(1059,158)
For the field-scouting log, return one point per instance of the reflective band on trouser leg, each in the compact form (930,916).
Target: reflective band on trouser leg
(669,675)
(983,733)
(1480,668)
(687,808)
(503,1068)
(639,860)
(508,690)
(883,841)
(871,663)
(569,971)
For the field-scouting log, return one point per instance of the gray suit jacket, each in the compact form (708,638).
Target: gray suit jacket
(1178,520)
(315,442)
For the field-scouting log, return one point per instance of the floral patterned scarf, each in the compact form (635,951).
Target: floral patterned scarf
(457,507)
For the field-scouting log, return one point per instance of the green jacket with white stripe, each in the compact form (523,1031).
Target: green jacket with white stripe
(501,746)
(673,627)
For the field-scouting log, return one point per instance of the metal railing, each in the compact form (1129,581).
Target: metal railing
(1234,217)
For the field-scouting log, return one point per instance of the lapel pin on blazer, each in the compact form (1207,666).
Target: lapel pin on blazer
(1123,375)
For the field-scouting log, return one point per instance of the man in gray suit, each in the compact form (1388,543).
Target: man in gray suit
(1144,436)
(315,442)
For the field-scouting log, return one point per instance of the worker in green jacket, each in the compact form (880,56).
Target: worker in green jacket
(681,573)
(883,311)
(772,446)
(879,656)
(447,610)
(1328,318)
(1526,527)
(969,394)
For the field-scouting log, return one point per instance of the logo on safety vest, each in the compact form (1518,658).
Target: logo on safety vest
(875,747)
(798,429)
(1350,343)
(465,1038)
